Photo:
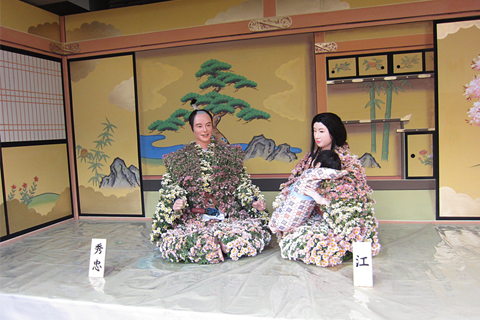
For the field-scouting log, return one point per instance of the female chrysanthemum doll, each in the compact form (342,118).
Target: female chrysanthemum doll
(326,238)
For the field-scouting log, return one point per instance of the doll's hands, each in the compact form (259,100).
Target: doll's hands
(259,205)
(178,205)
(311,192)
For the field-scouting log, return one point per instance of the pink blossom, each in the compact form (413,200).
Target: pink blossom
(474,114)
(472,90)
(476,64)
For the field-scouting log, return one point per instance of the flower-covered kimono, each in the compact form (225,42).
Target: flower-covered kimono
(326,238)
(214,178)
(297,207)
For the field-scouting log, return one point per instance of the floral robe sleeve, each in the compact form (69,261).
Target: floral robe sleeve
(164,215)
(300,167)
(247,193)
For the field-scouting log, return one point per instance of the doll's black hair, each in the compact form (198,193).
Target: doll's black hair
(328,159)
(335,128)
(191,118)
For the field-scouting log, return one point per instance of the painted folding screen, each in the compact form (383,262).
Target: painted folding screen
(458,52)
(105,122)
(380,97)
(262,101)
(35,176)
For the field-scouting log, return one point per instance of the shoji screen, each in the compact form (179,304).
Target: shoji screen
(34,171)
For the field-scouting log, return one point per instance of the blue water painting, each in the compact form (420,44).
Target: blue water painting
(147,150)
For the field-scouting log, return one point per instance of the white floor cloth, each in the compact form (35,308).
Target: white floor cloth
(424,271)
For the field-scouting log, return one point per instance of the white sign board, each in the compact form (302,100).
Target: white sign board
(98,252)
(362,264)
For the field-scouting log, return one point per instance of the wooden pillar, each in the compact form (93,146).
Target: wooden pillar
(321,75)
(69,124)
(269,8)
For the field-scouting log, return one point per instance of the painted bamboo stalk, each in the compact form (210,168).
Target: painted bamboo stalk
(388,115)
(373,104)
(373,116)
(391,88)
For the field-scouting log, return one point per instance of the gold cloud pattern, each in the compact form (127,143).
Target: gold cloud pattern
(288,7)
(93,30)
(123,95)
(290,104)
(81,69)
(161,75)
(252,9)
(445,29)
(46,30)
(453,204)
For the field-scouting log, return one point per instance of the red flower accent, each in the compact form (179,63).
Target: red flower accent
(423,152)
(36,178)
(24,185)
(14,187)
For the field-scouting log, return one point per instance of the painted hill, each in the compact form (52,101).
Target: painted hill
(120,176)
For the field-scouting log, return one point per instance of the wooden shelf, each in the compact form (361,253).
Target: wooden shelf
(369,121)
(424,75)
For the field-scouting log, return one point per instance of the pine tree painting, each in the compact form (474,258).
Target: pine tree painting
(217,76)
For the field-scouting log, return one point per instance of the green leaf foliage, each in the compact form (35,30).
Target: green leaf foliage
(218,76)
(176,121)
(167,126)
(245,84)
(223,108)
(255,114)
(179,113)
(153,126)
(239,104)
(190,96)
(212,82)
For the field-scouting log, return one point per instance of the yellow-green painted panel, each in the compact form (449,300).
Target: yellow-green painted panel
(372,65)
(373,3)
(370,100)
(420,155)
(429,61)
(459,127)
(23,17)
(343,67)
(396,30)
(405,205)
(37,185)
(106,136)
(281,85)
(3,223)
(407,62)
(153,17)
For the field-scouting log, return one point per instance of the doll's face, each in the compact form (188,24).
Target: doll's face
(322,136)
(202,129)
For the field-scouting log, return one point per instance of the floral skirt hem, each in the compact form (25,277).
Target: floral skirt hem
(202,242)
(312,245)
